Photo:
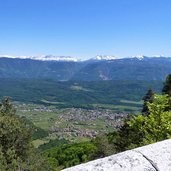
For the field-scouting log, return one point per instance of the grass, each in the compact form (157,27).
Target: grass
(118,107)
(132,102)
(39,142)
(51,102)
(42,119)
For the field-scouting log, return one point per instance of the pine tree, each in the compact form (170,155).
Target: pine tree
(149,97)
(167,86)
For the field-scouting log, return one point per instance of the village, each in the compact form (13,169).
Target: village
(87,123)
(71,123)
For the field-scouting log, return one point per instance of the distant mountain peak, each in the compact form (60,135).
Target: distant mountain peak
(158,56)
(73,59)
(21,57)
(43,58)
(103,57)
(140,57)
(55,58)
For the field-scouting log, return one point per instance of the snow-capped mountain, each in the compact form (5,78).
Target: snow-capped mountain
(103,58)
(44,58)
(99,68)
(19,57)
(56,58)
(73,59)
(141,57)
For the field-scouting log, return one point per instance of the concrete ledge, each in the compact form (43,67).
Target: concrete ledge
(153,157)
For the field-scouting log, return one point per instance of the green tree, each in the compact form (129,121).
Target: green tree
(148,98)
(16,150)
(157,125)
(104,146)
(141,130)
(167,86)
(154,127)
(68,155)
(3,163)
(128,135)
(6,107)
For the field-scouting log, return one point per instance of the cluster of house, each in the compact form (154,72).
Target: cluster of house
(85,123)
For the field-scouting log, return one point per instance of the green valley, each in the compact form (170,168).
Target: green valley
(115,95)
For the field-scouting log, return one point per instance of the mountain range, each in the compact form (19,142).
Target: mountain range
(94,69)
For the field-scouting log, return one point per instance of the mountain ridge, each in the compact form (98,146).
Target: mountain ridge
(135,68)
(74,59)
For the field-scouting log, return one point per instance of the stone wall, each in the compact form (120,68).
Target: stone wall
(153,157)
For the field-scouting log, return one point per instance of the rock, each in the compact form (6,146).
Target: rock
(154,157)
(159,154)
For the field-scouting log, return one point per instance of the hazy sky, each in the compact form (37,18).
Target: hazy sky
(85,28)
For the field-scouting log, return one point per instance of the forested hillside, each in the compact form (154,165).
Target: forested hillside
(105,94)
(146,68)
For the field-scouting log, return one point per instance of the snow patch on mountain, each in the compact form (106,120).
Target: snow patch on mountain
(158,56)
(73,59)
(140,57)
(101,57)
(44,58)
(56,58)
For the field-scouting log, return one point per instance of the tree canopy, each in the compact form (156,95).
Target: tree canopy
(167,86)
(16,150)
(149,97)
(141,130)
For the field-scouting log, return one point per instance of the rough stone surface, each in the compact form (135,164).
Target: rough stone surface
(159,154)
(154,157)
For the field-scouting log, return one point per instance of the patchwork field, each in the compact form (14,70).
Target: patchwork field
(73,124)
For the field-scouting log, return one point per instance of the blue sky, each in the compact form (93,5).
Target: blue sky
(85,28)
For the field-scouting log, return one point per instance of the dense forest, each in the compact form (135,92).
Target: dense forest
(18,153)
(77,93)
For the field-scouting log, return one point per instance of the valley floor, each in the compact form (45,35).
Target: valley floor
(73,124)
